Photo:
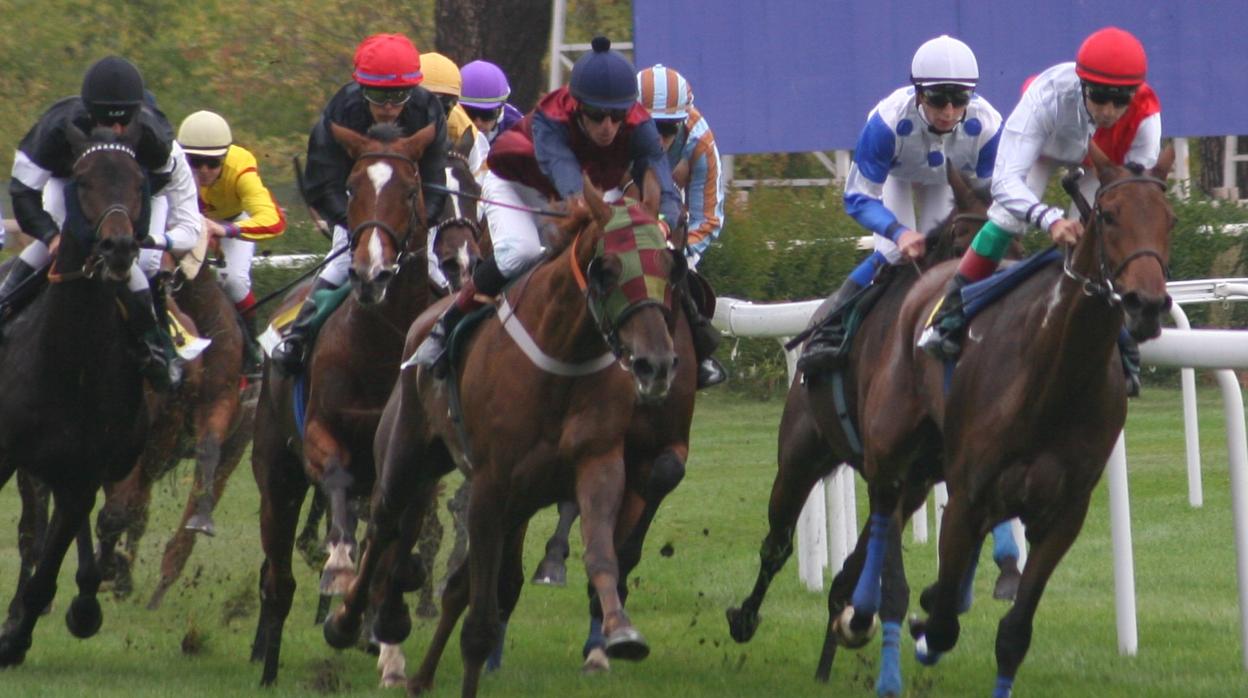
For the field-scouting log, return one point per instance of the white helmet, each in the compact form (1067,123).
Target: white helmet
(944,61)
(205,133)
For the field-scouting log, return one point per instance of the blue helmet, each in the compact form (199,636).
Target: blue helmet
(604,78)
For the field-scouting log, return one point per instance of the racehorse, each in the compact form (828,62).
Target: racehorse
(351,368)
(1041,366)
(603,343)
(813,441)
(71,396)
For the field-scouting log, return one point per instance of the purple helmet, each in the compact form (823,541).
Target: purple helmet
(485,86)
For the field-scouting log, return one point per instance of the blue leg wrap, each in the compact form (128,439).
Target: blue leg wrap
(495,660)
(966,592)
(889,681)
(1003,688)
(866,597)
(864,273)
(595,637)
(1003,544)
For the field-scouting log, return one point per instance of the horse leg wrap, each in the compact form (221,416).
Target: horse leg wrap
(667,472)
(866,598)
(1004,687)
(889,681)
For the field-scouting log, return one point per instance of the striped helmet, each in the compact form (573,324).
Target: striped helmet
(664,92)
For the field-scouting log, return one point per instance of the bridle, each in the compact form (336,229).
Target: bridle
(400,243)
(1104,286)
(94,262)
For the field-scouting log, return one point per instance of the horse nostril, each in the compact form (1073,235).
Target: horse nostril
(643,368)
(383,277)
(1132,303)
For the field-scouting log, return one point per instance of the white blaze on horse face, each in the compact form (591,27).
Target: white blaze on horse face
(461,255)
(379,173)
(452,183)
(375,260)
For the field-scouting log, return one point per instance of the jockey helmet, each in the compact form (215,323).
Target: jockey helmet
(485,86)
(604,78)
(112,90)
(441,74)
(944,61)
(665,93)
(1112,56)
(387,60)
(205,133)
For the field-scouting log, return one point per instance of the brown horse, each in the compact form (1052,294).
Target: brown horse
(354,363)
(594,363)
(71,399)
(1040,366)
(813,441)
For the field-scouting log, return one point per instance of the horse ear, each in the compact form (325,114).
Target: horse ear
(600,210)
(1164,162)
(416,144)
(1104,166)
(77,139)
(466,141)
(350,141)
(963,197)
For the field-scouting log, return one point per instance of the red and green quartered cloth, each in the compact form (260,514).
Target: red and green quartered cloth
(637,240)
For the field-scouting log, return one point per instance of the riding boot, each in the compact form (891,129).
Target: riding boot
(291,353)
(1129,350)
(16,289)
(705,340)
(157,358)
(942,336)
(824,348)
(486,281)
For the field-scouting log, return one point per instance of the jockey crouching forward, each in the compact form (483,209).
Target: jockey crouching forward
(594,125)
(112,97)
(910,138)
(1059,111)
(385,90)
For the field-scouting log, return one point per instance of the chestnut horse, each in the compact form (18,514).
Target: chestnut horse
(813,441)
(587,336)
(350,371)
(1041,366)
(71,397)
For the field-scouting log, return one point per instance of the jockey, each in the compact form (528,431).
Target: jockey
(112,97)
(691,153)
(595,126)
(1059,111)
(443,79)
(385,89)
(484,99)
(238,209)
(910,138)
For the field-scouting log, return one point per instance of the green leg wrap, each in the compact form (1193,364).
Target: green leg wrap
(991,241)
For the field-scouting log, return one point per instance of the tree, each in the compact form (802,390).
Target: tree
(514,34)
(1211,152)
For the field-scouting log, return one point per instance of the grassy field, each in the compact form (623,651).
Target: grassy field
(1185,573)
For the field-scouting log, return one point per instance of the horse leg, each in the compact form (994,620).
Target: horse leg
(125,505)
(510,582)
(1006,554)
(454,601)
(552,570)
(69,516)
(84,616)
(207,458)
(282,488)
(894,602)
(309,542)
(429,543)
(458,507)
(32,531)
(958,540)
(486,534)
(1047,549)
(340,567)
(839,593)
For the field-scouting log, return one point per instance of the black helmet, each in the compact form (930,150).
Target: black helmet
(112,90)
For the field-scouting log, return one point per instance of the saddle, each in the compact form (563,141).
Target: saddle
(981,294)
(326,300)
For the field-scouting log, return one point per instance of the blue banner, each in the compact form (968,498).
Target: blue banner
(801,75)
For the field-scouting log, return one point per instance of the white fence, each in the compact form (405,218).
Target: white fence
(827,531)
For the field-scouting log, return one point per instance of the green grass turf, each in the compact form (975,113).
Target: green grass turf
(1185,574)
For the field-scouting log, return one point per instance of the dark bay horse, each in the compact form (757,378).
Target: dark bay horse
(813,441)
(71,397)
(595,363)
(351,368)
(1041,366)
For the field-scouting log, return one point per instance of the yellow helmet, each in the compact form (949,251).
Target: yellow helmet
(441,74)
(205,133)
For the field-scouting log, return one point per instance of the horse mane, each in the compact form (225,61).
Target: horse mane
(103,134)
(1135,168)
(385,133)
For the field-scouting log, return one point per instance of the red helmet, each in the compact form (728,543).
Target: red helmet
(387,60)
(1112,56)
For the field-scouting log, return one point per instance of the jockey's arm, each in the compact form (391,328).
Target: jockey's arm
(864,187)
(704,197)
(183,224)
(1021,142)
(648,154)
(265,219)
(1146,146)
(325,175)
(26,190)
(555,157)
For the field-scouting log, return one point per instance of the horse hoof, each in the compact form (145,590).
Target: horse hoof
(742,624)
(419,684)
(341,631)
(848,635)
(1007,582)
(923,654)
(627,643)
(927,599)
(202,524)
(552,573)
(393,628)
(918,626)
(84,617)
(393,680)
(596,662)
(13,649)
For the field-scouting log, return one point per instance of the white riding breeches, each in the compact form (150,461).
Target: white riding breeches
(335,273)
(935,201)
(517,242)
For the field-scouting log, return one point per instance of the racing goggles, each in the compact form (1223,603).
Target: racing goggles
(1120,95)
(943,97)
(596,114)
(483,114)
(394,96)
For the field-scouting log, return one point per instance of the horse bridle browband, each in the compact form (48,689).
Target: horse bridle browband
(1105,287)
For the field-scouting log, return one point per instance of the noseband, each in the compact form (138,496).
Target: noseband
(400,243)
(1104,287)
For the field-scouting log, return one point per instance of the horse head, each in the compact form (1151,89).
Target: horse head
(1129,235)
(107,185)
(952,237)
(455,246)
(627,269)
(386,204)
